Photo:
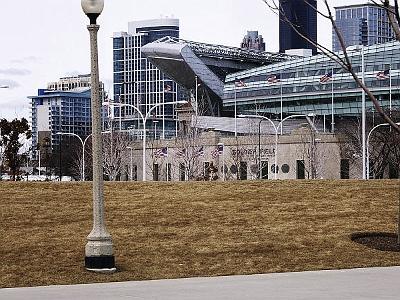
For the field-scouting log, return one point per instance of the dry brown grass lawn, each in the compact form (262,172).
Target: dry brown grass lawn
(165,230)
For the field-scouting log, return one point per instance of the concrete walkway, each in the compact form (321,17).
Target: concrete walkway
(371,283)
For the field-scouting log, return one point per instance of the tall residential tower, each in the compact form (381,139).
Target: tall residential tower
(140,83)
(363,24)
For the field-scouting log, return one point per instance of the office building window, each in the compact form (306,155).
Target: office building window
(264,170)
(243,170)
(344,169)
(155,172)
(182,172)
(169,175)
(134,173)
(301,174)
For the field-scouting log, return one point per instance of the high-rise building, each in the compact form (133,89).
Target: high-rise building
(301,15)
(69,83)
(253,41)
(363,24)
(140,83)
(63,107)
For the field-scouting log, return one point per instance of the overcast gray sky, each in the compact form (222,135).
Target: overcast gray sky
(43,40)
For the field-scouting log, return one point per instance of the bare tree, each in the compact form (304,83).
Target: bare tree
(344,59)
(155,160)
(311,154)
(384,146)
(115,154)
(190,143)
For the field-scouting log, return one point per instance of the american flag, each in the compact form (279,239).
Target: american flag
(217,151)
(382,75)
(240,83)
(181,153)
(167,88)
(274,78)
(163,152)
(327,77)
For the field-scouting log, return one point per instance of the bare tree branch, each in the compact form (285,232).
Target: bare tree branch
(344,61)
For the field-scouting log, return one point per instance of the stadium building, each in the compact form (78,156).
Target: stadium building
(203,68)
(279,85)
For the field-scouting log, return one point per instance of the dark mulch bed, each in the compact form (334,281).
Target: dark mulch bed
(382,241)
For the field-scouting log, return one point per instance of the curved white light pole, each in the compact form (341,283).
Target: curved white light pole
(83,142)
(83,150)
(144,120)
(276,139)
(369,136)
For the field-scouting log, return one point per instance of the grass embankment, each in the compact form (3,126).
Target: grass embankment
(165,230)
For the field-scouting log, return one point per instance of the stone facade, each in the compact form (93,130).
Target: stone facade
(303,154)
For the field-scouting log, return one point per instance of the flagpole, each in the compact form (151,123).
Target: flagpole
(280,77)
(176,126)
(235,108)
(390,89)
(163,117)
(196,110)
(223,162)
(333,113)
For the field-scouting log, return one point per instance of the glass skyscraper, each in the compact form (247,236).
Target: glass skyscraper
(301,15)
(365,24)
(140,83)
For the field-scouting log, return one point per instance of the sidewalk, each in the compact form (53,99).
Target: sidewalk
(371,283)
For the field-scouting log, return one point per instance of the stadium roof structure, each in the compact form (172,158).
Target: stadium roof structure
(184,61)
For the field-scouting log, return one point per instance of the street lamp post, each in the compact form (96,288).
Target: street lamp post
(144,120)
(363,115)
(131,171)
(99,253)
(368,138)
(360,48)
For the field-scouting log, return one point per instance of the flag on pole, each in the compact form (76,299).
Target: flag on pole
(217,151)
(240,83)
(383,75)
(163,152)
(274,78)
(327,77)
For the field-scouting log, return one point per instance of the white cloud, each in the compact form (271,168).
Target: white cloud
(12,84)
(15,72)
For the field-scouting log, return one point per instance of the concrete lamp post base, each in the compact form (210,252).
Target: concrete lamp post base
(99,256)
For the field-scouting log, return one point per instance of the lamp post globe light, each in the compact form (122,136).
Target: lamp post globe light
(99,253)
